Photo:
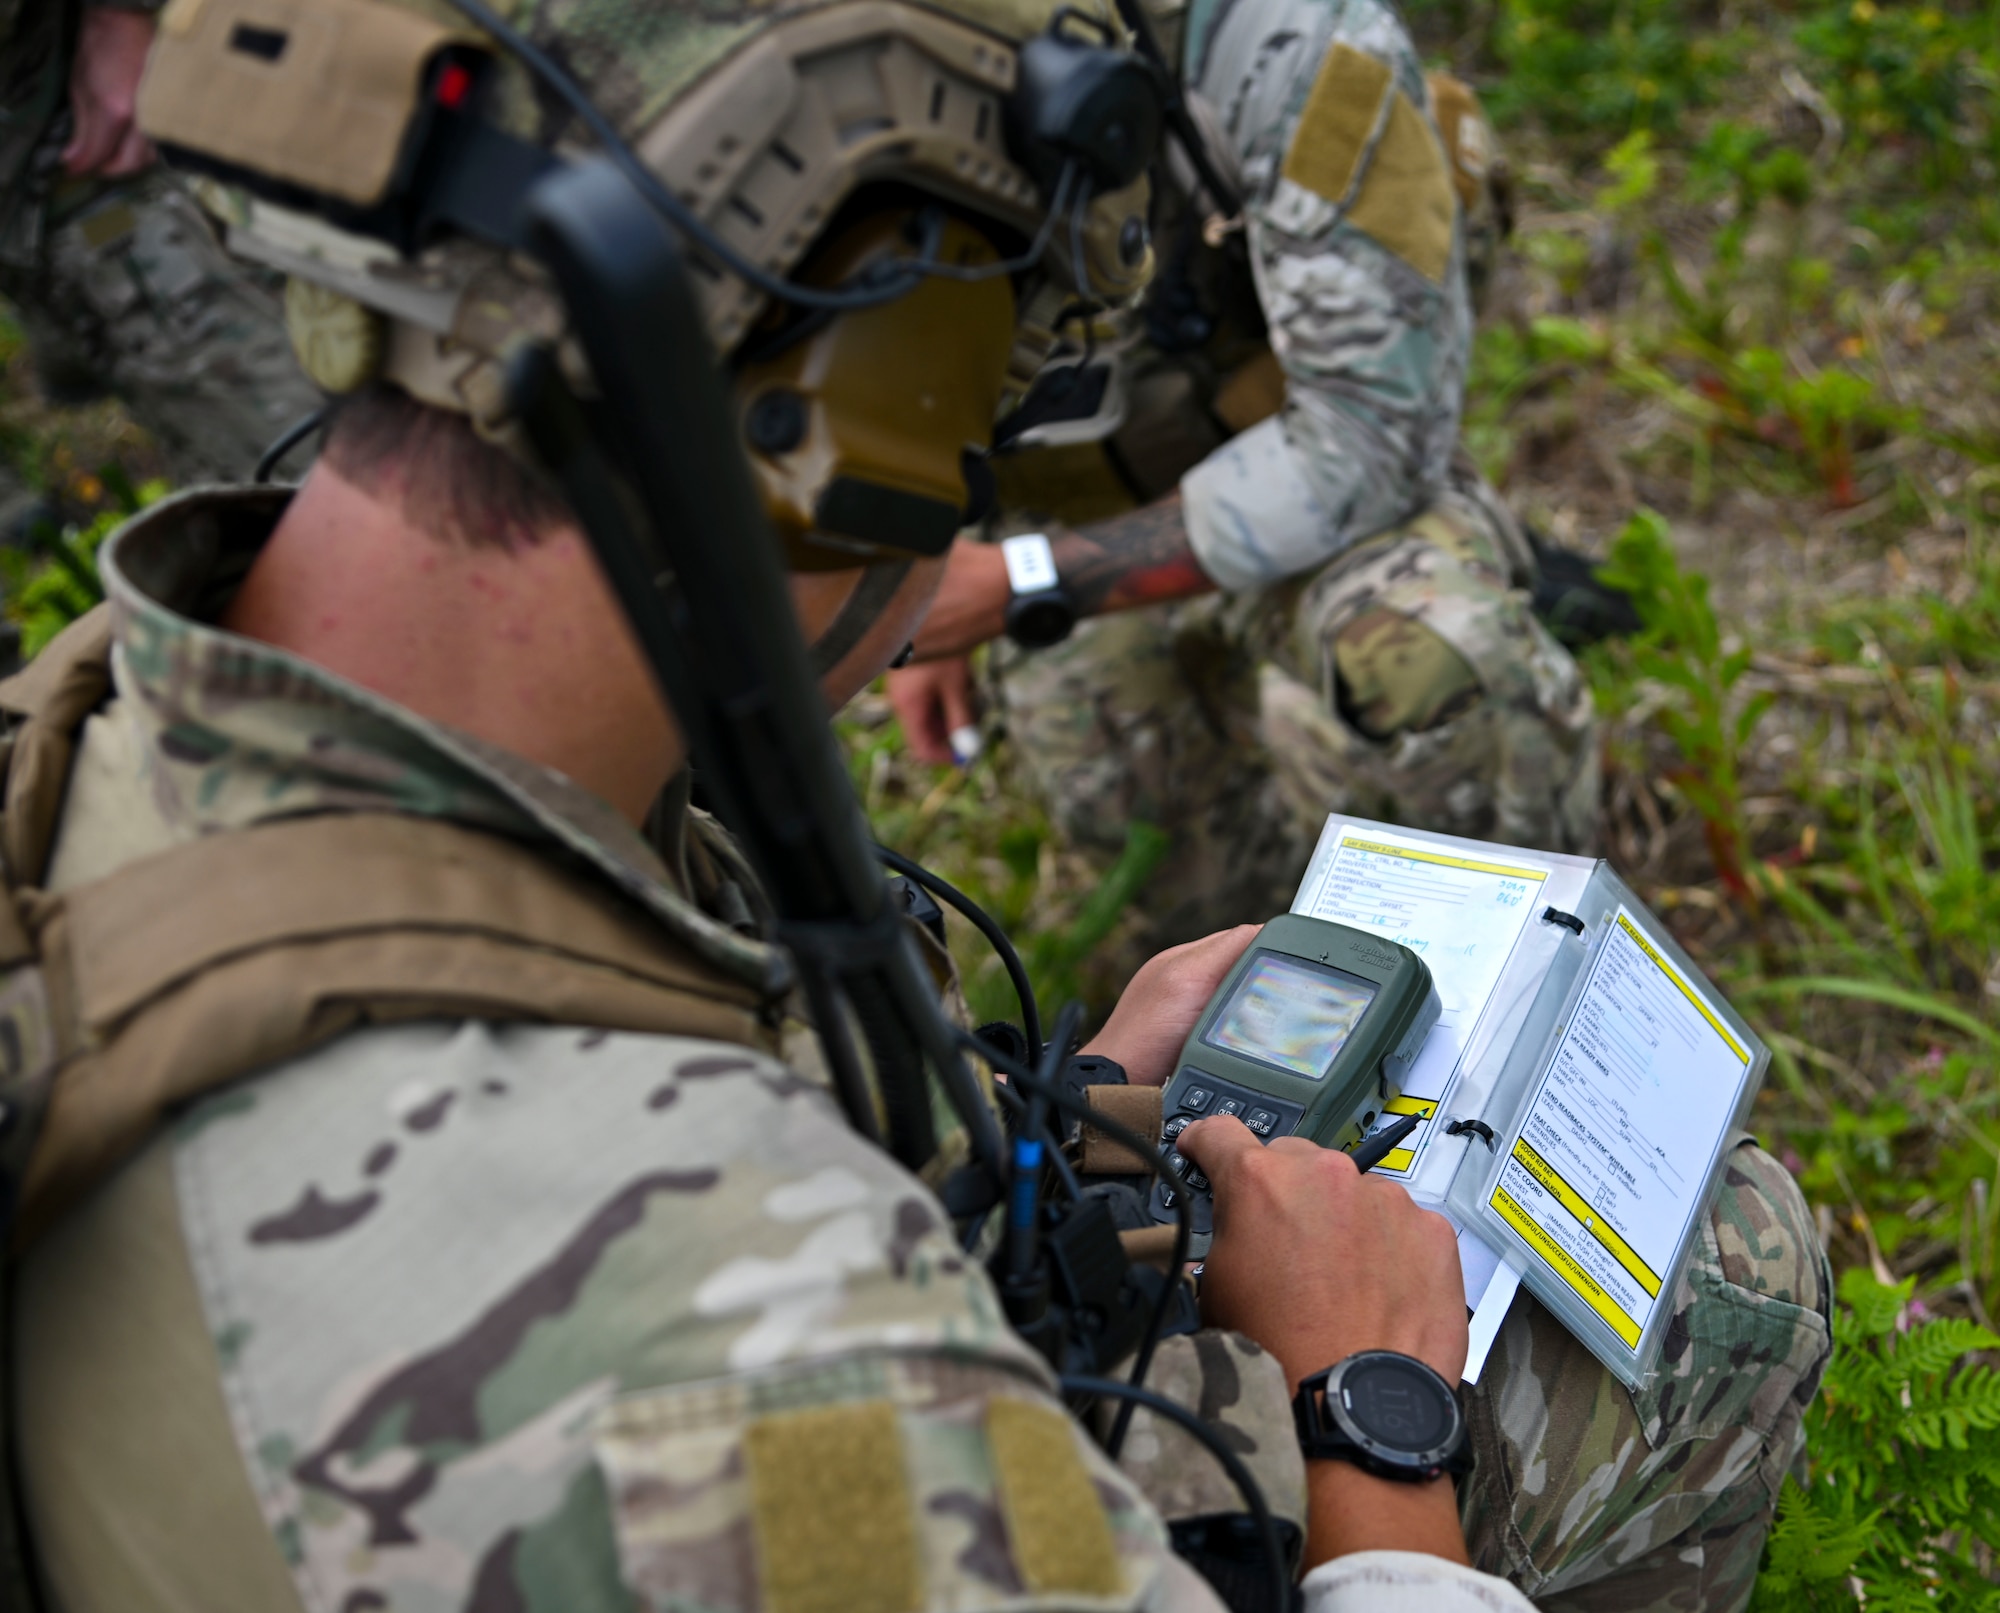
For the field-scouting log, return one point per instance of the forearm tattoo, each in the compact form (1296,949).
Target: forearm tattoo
(1141,558)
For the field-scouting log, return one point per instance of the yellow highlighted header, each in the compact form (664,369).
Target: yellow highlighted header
(1585,1285)
(1593,1222)
(1443,861)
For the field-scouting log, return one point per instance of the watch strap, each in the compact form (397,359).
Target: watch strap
(1321,1438)
(1031,564)
(1040,613)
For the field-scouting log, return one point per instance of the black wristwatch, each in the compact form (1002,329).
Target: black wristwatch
(1040,613)
(1386,1413)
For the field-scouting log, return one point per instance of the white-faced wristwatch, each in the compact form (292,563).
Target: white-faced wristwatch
(1039,613)
(1388,1414)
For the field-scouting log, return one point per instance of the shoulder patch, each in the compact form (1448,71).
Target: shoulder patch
(1341,112)
(830,1510)
(1407,200)
(1061,1537)
(883,1480)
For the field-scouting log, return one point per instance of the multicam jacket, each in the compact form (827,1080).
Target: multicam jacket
(1359,263)
(467,1314)
(1318,111)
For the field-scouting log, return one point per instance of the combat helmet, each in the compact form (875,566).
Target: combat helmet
(889,206)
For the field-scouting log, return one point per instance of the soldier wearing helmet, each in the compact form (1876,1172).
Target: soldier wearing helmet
(425,1188)
(1274,441)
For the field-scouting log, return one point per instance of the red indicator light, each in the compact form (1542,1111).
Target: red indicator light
(454,84)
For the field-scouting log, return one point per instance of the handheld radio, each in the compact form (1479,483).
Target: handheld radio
(1312,1033)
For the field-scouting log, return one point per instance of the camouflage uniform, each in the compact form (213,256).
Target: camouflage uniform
(1368,568)
(462,1314)
(123,287)
(454,1313)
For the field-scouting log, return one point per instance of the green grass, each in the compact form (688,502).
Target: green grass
(1745,352)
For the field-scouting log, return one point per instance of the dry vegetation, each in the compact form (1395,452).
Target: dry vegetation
(1744,351)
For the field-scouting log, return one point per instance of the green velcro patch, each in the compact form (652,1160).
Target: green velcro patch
(1407,201)
(1340,113)
(108,225)
(1055,1519)
(830,1506)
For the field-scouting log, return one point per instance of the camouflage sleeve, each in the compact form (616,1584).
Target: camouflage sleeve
(538,1319)
(1354,237)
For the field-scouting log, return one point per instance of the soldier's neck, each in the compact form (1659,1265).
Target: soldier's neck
(525,649)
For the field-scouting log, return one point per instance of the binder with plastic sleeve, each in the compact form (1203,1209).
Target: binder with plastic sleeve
(1581,1091)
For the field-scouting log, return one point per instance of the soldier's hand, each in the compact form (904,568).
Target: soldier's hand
(1164,999)
(1314,1260)
(932,702)
(111,51)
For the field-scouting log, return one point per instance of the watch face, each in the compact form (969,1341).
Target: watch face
(1037,621)
(1398,1407)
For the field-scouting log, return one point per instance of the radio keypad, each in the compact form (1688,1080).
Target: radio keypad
(1193,1095)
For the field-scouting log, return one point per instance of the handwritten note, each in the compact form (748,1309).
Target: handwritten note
(1615,1144)
(1460,912)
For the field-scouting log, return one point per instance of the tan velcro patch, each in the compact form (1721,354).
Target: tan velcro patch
(1148,1246)
(830,1505)
(1134,1108)
(1055,1521)
(316,92)
(1407,201)
(1341,111)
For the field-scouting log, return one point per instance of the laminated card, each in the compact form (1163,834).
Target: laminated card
(1580,1089)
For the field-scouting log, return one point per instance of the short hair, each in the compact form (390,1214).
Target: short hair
(448,479)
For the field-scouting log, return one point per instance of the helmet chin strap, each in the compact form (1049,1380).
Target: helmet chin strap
(870,598)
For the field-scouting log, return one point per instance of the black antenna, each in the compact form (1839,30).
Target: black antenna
(654,472)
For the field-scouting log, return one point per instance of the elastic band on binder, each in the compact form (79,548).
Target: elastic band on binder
(1475,1128)
(1569,921)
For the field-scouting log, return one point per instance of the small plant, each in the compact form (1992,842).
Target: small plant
(1902,1491)
(54,580)
(1681,649)
(1601,65)
(1901,70)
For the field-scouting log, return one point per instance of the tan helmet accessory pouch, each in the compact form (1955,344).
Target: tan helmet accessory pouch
(316,93)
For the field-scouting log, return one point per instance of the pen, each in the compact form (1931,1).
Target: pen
(1371,1151)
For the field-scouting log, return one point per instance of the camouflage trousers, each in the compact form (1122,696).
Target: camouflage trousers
(130,293)
(1405,680)
(1596,1499)
(1590,1497)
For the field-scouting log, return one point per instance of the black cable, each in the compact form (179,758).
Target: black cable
(1179,119)
(287,440)
(1232,1464)
(1148,1149)
(986,925)
(1080,268)
(696,229)
(1065,1173)
(1059,198)
(1024,1221)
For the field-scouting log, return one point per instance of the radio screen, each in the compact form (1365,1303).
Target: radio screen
(1291,1013)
